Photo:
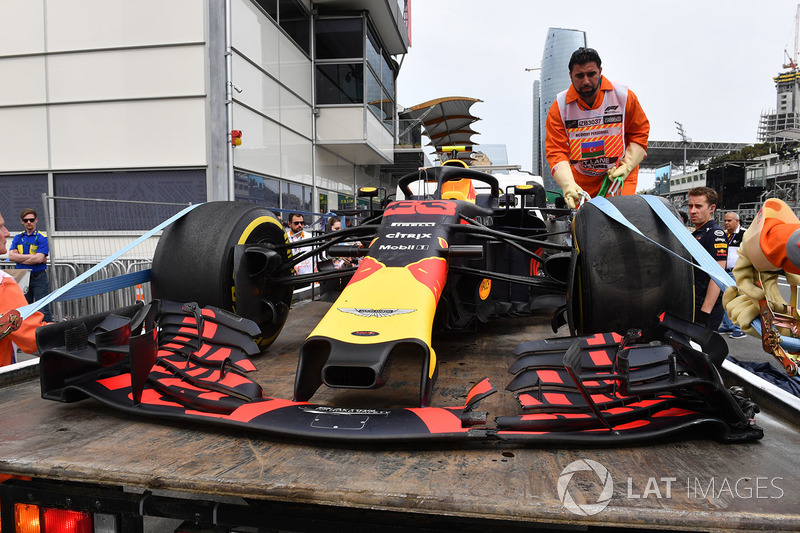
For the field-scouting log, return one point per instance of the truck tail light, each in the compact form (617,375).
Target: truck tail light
(26,518)
(66,521)
(36,519)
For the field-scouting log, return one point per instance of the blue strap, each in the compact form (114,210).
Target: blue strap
(706,263)
(28,310)
(691,244)
(93,288)
(709,264)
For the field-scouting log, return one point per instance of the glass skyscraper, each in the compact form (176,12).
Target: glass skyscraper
(558,47)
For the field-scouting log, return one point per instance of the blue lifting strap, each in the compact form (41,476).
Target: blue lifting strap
(97,287)
(705,262)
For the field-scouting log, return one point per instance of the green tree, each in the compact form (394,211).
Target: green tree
(746,153)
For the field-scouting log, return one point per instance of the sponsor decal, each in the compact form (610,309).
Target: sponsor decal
(612,119)
(431,272)
(416,236)
(414,224)
(318,409)
(443,243)
(719,232)
(378,313)
(422,207)
(367,267)
(593,149)
(485,288)
(403,247)
(365,333)
(720,245)
(611,108)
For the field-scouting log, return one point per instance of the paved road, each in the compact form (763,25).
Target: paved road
(749,349)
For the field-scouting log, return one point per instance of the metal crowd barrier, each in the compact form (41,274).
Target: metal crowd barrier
(62,272)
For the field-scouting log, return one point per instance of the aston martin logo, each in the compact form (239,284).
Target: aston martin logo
(378,313)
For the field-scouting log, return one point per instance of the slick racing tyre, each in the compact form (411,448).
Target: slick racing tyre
(194,260)
(623,281)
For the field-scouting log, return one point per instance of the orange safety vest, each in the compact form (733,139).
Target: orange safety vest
(596,137)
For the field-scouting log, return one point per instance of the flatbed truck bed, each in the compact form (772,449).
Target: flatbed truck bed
(694,484)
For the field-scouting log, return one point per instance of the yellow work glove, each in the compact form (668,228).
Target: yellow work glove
(573,194)
(634,153)
(742,302)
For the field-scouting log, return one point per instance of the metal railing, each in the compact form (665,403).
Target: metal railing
(62,272)
(82,232)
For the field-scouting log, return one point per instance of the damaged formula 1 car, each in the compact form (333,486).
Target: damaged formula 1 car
(636,367)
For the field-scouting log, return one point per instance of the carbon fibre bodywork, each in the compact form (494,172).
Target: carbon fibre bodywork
(428,263)
(595,391)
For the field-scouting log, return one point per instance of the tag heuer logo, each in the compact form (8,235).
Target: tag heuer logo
(379,313)
(364,333)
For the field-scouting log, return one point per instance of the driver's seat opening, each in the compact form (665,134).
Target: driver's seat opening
(460,189)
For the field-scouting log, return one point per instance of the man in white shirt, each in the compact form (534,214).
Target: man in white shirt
(734,233)
(297,233)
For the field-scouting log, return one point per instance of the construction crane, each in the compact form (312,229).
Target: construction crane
(792,60)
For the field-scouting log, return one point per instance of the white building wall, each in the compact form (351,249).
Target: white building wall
(334,173)
(273,109)
(683,182)
(106,84)
(115,85)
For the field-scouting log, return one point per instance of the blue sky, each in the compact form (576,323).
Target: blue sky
(706,64)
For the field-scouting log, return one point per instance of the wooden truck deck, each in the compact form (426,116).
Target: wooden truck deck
(682,484)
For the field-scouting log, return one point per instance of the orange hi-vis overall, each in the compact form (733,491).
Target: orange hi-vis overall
(11,297)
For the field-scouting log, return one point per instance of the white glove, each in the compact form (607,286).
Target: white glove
(573,194)
(634,153)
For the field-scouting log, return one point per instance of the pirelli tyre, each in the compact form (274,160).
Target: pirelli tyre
(194,261)
(623,281)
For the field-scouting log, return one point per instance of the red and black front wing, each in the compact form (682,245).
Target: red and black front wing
(626,395)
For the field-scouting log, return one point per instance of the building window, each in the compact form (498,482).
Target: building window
(270,6)
(121,201)
(18,192)
(341,83)
(296,22)
(297,197)
(293,18)
(380,82)
(339,38)
(283,197)
(258,190)
(353,68)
